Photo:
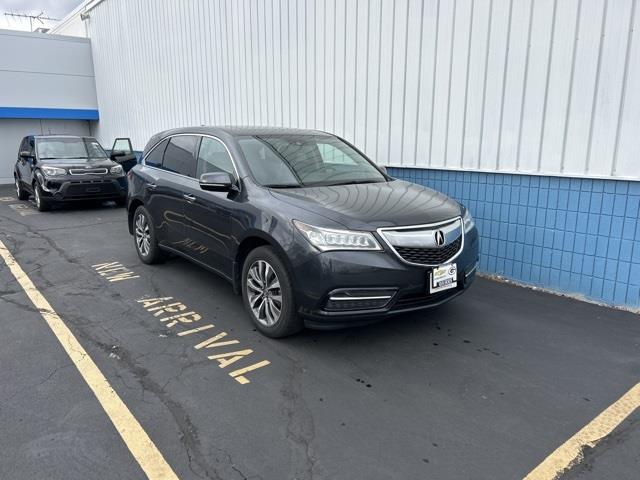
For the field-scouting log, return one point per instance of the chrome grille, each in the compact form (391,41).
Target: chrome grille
(88,171)
(428,245)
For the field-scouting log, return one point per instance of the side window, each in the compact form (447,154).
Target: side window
(122,145)
(333,156)
(94,149)
(31,146)
(213,157)
(178,157)
(24,145)
(154,158)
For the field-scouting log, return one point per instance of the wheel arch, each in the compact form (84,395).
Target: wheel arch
(250,242)
(133,206)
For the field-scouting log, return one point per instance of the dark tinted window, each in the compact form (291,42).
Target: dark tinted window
(213,157)
(24,145)
(154,158)
(178,157)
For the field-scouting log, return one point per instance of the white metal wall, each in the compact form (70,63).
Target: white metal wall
(531,86)
(39,70)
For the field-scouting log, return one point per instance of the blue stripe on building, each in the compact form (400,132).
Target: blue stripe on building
(572,235)
(49,113)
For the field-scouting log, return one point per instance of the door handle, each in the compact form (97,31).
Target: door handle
(151,186)
(189,198)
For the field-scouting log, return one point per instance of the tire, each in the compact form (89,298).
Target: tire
(20,193)
(263,263)
(144,236)
(41,203)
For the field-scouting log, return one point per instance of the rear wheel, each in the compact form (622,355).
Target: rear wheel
(145,237)
(267,294)
(20,193)
(41,203)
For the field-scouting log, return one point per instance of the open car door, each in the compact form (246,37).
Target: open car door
(122,152)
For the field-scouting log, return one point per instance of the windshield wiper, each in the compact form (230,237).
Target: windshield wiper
(352,182)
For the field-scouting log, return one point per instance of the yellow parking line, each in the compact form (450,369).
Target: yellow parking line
(571,452)
(140,445)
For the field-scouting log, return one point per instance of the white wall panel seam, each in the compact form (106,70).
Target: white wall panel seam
(445,157)
(595,90)
(546,86)
(623,94)
(525,78)
(433,82)
(484,84)
(504,83)
(466,85)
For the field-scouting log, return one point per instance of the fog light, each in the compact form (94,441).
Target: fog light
(359,299)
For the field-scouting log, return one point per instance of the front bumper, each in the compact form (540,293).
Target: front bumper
(64,189)
(322,276)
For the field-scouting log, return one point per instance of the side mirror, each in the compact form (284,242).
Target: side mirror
(383,168)
(25,154)
(216,182)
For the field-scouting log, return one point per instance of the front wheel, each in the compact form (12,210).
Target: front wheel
(145,237)
(41,203)
(20,193)
(267,294)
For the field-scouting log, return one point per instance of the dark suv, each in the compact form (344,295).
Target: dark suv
(303,225)
(61,168)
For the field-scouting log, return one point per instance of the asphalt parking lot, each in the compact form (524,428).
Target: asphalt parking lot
(485,387)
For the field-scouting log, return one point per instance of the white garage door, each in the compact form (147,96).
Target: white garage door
(13,130)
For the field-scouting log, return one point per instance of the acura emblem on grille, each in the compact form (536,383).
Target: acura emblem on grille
(439,236)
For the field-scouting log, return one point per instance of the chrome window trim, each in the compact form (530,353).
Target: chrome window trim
(79,171)
(423,226)
(233,160)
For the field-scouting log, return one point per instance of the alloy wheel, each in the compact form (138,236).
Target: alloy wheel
(143,235)
(36,194)
(17,187)
(264,293)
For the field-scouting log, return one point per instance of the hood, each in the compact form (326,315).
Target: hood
(369,206)
(79,162)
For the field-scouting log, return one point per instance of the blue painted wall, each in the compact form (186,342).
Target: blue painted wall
(49,113)
(573,235)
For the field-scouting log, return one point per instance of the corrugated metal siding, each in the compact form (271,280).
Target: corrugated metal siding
(524,86)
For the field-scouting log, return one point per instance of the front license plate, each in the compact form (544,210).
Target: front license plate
(443,278)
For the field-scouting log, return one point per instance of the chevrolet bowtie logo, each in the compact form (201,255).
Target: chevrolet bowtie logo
(439,236)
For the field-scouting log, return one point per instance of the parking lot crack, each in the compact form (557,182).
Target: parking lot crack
(37,384)
(197,460)
(300,424)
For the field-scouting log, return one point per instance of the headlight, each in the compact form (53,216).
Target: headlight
(53,171)
(117,170)
(468,221)
(325,239)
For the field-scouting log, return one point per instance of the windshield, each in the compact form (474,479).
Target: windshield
(66,147)
(290,161)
